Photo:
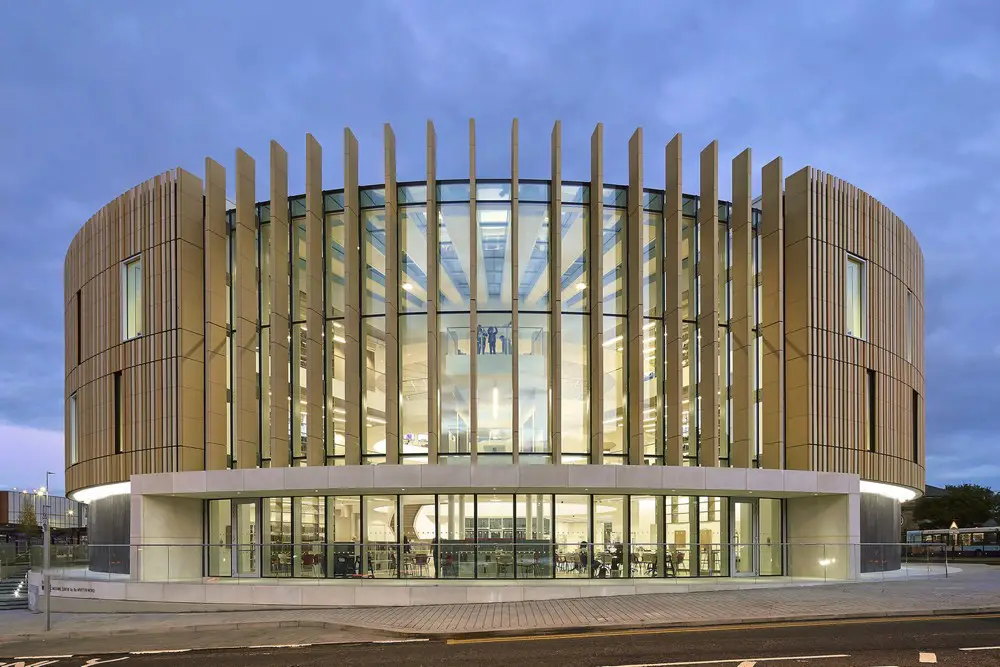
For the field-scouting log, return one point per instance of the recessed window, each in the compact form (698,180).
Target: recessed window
(132,298)
(855,287)
(72,430)
(916,426)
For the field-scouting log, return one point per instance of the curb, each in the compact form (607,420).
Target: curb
(411,635)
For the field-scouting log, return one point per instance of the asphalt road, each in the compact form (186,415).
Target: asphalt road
(868,643)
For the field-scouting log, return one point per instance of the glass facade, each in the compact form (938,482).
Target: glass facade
(494,536)
(476,360)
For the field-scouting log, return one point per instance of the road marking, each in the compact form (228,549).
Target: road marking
(746,663)
(55,657)
(165,650)
(981,648)
(928,657)
(720,628)
(280,646)
(737,660)
(399,641)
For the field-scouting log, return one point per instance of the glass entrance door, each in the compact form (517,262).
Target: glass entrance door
(745,538)
(246,539)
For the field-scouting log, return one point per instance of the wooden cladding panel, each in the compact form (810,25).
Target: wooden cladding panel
(159,222)
(828,220)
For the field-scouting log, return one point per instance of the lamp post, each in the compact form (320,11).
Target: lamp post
(46,554)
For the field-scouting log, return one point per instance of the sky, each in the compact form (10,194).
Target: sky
(899,98)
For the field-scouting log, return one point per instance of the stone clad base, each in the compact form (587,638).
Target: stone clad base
(84,595)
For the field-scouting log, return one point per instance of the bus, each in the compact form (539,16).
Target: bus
(976,542)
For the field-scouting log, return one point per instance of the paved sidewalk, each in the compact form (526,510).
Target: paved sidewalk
(977,588)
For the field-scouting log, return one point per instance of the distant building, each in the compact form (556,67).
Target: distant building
(68,518)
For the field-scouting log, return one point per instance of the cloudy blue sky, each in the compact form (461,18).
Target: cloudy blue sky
(901,98)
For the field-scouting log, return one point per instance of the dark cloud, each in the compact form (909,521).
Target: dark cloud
(898,98)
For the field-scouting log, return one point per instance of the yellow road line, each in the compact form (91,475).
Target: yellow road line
(719,628)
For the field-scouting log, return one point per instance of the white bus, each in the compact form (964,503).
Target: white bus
(976,542)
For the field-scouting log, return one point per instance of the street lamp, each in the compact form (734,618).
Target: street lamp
(46,554)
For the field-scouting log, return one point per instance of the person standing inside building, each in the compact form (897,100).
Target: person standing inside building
(492,335)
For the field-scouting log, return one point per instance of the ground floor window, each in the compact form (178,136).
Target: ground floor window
(494,536)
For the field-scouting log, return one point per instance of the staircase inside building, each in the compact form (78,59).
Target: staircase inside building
(14,589)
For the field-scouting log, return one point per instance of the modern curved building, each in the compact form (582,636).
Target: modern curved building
(511,378)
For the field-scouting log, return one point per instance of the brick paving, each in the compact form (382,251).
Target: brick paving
(976,588)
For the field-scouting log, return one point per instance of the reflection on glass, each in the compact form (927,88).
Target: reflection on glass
(652,264)
(494,282)
(454,357)
(276,551)
(264,372)
(413,388)
(712,528)
(495,392)
(456,536)
(309,537)
(413,259)
(646,558)
(575,227)
(381,552)
(574,555)
(418,530)
(743,538)
(689,393)
(335,264)
(609,536)
(344,531)
(375,389)
(533,256)
(300,281)
(575,389)
(220,538)
(264,263)
(247,539)
(336,404)
(454,259)
(653,346)
(533,532)
(373,231)
(494,536)
(614,387)
(300,408)
(770,536)
(680,536)
(533,385)
(614,261)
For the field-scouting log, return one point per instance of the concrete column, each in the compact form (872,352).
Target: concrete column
(353,284)
(216,309)
(515,289)
(708,318)
(315,320)
(392,384)
(772,234)
(279,315)
(555,295)
(433,376)
(633,295)
(742,326)
(595,296)
(673,224)
(246,406)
